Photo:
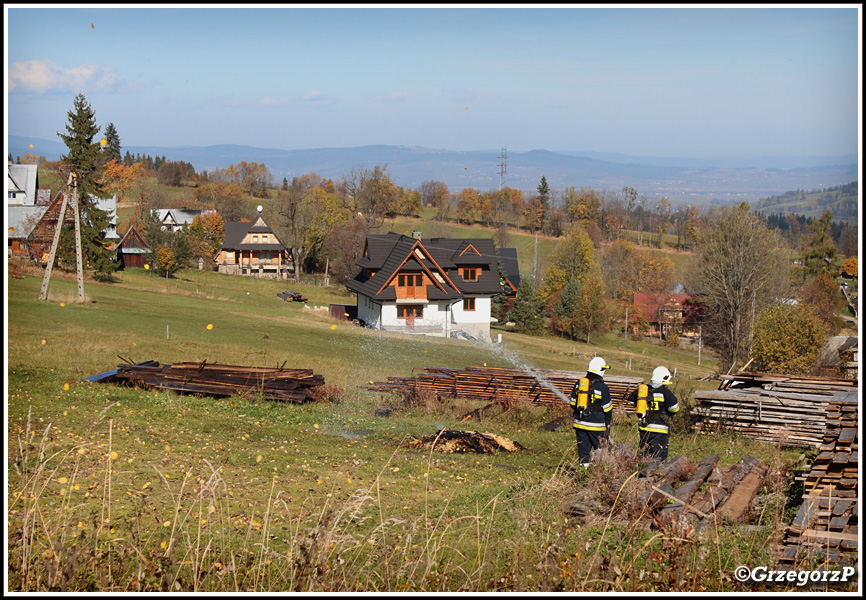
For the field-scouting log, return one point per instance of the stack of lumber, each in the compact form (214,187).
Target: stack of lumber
(494,384)
(826,524)
(791,411)
(280,384)
(291,296)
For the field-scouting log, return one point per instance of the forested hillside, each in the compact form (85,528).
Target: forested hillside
(841,200)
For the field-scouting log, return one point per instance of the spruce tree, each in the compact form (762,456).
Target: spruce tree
(565,309)
(82,160)
(526,313)
(111,150)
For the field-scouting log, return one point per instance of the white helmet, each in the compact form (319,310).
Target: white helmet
(661,376)
(597,366)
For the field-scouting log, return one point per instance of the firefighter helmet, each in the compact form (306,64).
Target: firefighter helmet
(597,366)
(662,376)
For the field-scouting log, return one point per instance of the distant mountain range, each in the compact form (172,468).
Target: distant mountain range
(682,180)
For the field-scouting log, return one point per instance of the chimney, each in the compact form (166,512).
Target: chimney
(416,235)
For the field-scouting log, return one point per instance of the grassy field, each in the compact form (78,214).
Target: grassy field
(115,488)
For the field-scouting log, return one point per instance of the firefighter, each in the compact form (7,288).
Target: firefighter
(654,404)
(592,406)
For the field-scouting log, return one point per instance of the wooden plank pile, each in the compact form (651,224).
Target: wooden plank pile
(791,411)
(495,384)
(291,296)
(826,525)
(284,385)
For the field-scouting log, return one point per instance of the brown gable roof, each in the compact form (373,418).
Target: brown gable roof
(387,255)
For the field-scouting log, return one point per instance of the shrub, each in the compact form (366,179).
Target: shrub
(788,340)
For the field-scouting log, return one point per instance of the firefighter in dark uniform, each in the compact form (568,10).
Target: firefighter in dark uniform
(655,404)
(590,400)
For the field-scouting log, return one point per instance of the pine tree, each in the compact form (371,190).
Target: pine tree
(82,160)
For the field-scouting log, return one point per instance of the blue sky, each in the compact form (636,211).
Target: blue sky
(700,81)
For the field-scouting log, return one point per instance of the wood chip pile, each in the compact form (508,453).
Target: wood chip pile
(493,384)
(791,411)
(280,384)
(826,525)
(450,440)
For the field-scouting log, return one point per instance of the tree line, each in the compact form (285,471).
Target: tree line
(740,268)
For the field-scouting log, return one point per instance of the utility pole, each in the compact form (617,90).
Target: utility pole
(73,183)
(503,169)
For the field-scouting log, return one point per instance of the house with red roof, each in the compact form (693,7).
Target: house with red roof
(665,312)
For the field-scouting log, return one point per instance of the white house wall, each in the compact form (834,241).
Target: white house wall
(369,312)
(474,322)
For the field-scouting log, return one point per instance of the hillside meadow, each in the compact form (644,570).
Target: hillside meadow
(114,488)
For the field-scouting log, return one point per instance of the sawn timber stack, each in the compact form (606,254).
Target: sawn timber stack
(495,384)
(280,384)
(827,523)
(783,409)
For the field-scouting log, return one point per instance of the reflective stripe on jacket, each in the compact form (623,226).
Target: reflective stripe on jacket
(600,403)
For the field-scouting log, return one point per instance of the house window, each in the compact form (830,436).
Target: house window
(255,239)
(470,274)
(230,255)
(407,311)
(410,280)
(469,304)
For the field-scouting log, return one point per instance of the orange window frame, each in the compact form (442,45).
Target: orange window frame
(410,311)
(469,273)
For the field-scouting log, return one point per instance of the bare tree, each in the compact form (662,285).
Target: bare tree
(370,192)
(739,271)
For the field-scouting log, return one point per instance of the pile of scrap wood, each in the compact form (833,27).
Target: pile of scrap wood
(788,410)
(727,493)
(291,296)
(451,440)
(826,525)
(493,384)
(281,384)
(679,491)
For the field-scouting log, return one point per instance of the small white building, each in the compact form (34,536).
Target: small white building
(441,287)
(174,219)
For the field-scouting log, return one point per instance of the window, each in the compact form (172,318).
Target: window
(255,239)
(469,304)
(470,274)
(230,254)
(264,239)
(410,280)
(405,311)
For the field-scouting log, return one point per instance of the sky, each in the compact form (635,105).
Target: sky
(699,81)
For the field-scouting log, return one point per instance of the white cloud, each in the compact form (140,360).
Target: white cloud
(314,96)
(44,75)
(397,96)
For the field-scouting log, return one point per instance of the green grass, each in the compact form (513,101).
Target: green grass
(117,488)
